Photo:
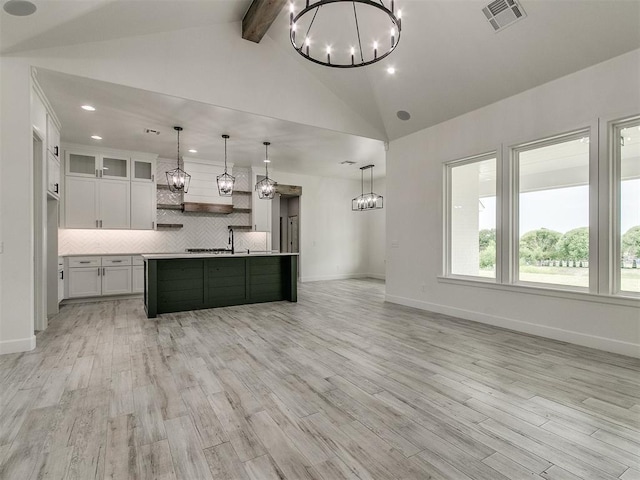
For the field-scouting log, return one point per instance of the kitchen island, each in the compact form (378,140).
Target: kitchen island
(181,282)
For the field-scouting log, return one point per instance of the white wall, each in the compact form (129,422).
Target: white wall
(213,65)
(331,235)
(376,233)
(16,202)
(414,214)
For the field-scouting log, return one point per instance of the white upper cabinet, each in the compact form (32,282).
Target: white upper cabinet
(143,170)
(87,164)
(114,200)
(260,208)
(82,164)
(109,189)
(143,206)
(53,175)
(114,167)
(81,203)
(53,137)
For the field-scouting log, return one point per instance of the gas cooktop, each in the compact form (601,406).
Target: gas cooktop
(208,250)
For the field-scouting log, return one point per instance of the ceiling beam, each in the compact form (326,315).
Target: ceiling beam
(259,18)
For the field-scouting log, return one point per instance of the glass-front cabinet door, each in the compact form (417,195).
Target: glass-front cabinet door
(115,167)
(82,164)
(142,170)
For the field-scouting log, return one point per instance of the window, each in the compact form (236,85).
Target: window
(472,217)
(552,198)
(562,214)
(628,200)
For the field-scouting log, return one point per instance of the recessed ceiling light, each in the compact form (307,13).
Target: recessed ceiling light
(89,108)
(391,70)
(403,115)
(19,8)
(267,161)
(193,151)
(96,137)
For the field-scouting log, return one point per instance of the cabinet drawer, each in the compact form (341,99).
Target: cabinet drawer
(137,260)
(116,261)
(84,261)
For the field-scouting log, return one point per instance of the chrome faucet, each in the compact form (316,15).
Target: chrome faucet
(231,241)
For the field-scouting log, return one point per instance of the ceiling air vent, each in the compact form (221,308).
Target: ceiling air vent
(502,13)
(347,162)
(152,131)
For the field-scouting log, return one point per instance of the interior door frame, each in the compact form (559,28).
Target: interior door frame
(39,232)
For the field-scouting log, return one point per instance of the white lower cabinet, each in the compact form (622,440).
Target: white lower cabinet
(85,282)
(138,279)
(95,276)
(116,280)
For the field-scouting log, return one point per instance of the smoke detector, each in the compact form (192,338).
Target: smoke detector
(152,131)
(502,13)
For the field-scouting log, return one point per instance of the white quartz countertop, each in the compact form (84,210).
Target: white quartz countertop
(168,256)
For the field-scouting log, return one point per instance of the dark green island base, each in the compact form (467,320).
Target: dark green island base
(191,282)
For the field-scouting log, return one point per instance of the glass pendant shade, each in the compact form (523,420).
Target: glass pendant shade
(266,187)
(367,201)
(225,181)
(177,179)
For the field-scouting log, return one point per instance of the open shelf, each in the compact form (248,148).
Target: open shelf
(241,210)
(169,206)
(242,192)
(240,227)
(170,225)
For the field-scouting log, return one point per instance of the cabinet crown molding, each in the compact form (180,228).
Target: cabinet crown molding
(93,149)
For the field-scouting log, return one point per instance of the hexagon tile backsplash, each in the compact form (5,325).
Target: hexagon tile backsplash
(200,230)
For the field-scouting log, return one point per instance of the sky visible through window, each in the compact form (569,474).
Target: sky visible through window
(560,209)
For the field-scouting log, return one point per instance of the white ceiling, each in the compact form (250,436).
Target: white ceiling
(449,60)
(122,113)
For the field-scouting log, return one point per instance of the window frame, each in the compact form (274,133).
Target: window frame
(447,206)
(513,225)
(615,204)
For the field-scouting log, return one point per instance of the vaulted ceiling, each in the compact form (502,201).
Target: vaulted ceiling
(449,61)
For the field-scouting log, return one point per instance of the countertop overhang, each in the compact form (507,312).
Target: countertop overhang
(168,256)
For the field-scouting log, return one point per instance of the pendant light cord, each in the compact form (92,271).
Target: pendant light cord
(358,32)
(371,180)
(178,159)
(225,155)
(266,157)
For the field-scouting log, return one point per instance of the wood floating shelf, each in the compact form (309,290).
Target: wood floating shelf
(169,206)
(242,192)
(162,186)
(206,208)
(241,210)
(240,227)
(170,225)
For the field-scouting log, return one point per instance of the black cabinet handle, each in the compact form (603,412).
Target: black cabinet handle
(55,150)
(62,275)
(55,185)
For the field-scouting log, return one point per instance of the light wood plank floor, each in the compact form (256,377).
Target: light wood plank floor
(337,386)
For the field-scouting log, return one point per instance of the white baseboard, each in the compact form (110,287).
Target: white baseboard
(105,298)
(342,276)
(17,346)
(377,276)
(569,336)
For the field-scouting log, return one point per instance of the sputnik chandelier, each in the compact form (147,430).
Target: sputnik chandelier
(366,201)
(355,21)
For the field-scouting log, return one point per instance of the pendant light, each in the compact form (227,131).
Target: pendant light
(266,188)
(177,178)
(225,181)
(367,201)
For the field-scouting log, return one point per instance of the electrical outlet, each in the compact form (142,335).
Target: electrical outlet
(395,243)
(424,287)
